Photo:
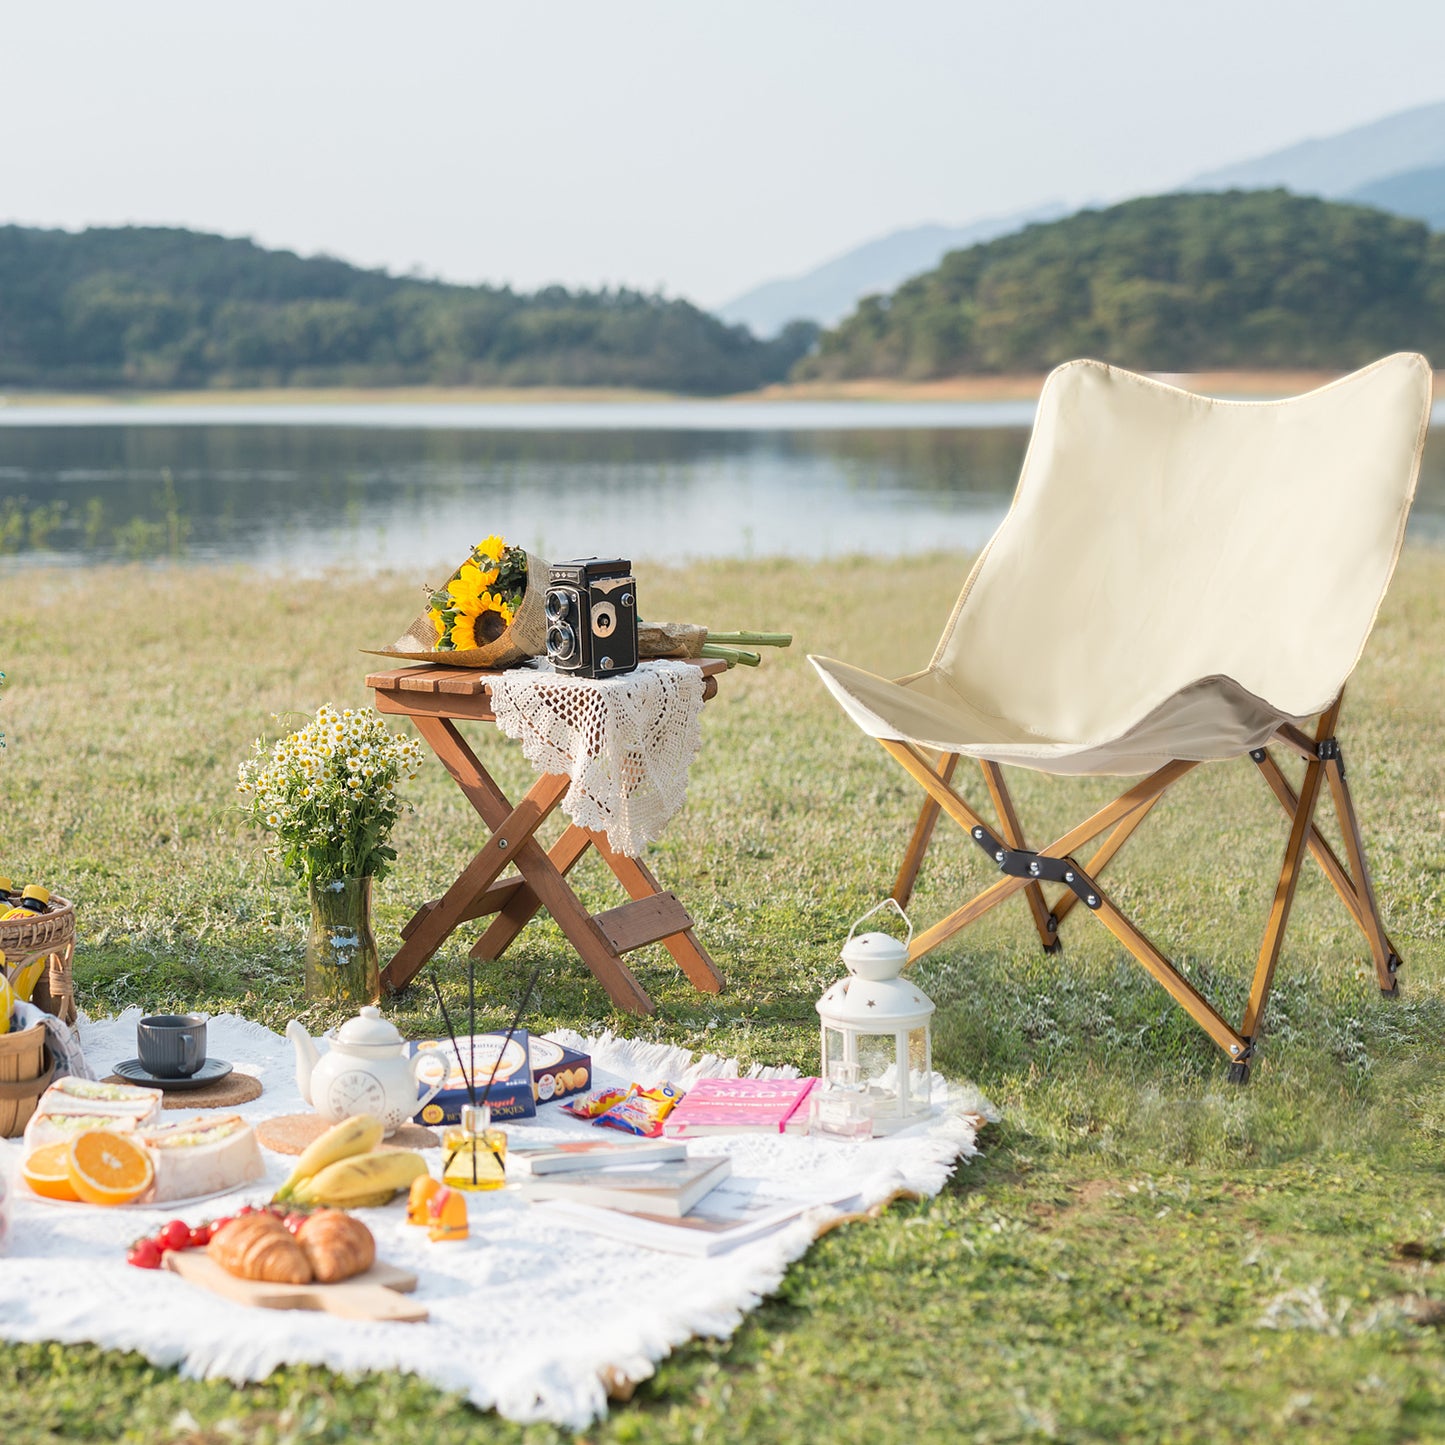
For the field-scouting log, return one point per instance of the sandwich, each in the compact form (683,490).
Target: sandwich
(201,1156)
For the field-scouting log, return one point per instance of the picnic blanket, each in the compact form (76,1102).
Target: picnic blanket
(528,1317)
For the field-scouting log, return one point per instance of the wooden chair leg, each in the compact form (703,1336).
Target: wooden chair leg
(1104,853)
(1284,892)
(922,836)
(1387,961)
(1362,906)
(1045,920)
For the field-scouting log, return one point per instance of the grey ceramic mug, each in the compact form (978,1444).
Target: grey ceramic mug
(171,1046)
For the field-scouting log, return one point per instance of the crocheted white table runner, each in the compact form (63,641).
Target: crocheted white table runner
(625,742)
(527,1316)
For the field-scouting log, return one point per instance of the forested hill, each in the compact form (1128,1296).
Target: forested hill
(1167,283)
(143,307)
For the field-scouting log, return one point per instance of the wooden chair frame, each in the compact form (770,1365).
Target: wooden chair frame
(1025,870)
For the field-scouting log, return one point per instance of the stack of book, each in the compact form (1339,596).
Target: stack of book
(653,1192)
(650,1176)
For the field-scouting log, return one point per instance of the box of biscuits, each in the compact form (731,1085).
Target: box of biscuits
(529,1071)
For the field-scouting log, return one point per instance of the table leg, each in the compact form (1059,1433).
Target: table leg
(524,905)
(532,862)
(640,882)
(510,832)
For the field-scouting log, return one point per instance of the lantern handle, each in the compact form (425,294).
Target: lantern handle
(897,908)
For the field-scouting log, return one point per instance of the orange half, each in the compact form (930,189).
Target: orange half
(47,1173)
(108,1169)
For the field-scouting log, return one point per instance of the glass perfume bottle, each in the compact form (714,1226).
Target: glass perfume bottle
(842,1107)
(474,1153)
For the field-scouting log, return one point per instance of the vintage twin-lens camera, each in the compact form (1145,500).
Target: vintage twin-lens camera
(592,617)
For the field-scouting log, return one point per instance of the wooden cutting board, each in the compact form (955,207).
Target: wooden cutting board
(376,1295)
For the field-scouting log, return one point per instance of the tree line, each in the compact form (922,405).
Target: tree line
(1166,283)
(146,307)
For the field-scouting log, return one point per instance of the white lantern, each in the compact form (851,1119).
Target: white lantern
(879,1021)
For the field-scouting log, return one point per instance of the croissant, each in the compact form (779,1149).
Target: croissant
(337,1245)
(259,1246)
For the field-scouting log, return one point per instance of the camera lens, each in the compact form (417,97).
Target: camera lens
(561,642)
(559,604)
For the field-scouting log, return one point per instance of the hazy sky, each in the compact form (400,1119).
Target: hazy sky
(696,147)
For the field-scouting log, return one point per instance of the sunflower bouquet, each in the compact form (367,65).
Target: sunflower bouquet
(491,612)
(480,602)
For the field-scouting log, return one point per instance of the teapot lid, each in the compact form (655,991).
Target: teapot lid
(369,1030)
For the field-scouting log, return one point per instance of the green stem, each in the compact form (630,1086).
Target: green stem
(731,655)
(752,639)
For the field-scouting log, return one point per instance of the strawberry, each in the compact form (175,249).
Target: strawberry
(144,1254)
(175,1235)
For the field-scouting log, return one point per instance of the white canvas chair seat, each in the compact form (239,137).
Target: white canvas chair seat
(1144,599)
(1211,719)
(1180,579)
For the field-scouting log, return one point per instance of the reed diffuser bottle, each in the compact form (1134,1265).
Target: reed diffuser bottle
(474,1153)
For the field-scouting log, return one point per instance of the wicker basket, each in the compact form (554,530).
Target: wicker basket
(26,1069)
(50,934)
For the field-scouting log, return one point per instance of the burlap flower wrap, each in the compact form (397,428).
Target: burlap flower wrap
(525,637)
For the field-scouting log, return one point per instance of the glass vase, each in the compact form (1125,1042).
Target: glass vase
(342,965)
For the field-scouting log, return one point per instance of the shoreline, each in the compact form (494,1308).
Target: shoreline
(883,390)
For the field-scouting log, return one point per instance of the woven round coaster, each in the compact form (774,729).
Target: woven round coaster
(291,1133)
(225,1093)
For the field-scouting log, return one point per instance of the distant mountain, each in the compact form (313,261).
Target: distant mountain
(152,307)
(829,292)
(1419,194)
(1166,283)
(1339,165)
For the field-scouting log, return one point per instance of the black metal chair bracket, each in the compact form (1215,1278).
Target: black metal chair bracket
(1025,863)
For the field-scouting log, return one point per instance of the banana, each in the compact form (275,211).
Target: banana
(26,978)
(373,1201)
(352,1181)
(359,1134)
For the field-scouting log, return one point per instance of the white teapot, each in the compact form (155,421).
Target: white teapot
(365,1071)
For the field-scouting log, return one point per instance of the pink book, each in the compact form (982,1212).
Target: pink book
(741,1106)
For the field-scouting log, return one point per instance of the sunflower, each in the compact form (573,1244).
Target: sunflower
(439,621)
(492,547)
(469,584)
(481,621)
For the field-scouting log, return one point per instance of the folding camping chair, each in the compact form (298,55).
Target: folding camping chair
(1179,580)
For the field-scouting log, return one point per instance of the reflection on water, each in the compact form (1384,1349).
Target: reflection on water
(295,497)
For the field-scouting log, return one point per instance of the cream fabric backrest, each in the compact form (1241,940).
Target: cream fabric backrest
(1158,538)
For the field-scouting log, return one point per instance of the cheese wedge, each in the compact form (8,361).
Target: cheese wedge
(201,1156)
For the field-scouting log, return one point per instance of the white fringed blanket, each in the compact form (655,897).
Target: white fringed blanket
(527,1317)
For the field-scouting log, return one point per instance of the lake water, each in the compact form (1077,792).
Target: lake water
(410,486)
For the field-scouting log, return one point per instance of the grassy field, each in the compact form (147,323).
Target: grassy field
(1142,1251)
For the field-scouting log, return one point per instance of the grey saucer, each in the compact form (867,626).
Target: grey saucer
(211,1072)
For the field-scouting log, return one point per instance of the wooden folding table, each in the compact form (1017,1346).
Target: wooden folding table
(435,699)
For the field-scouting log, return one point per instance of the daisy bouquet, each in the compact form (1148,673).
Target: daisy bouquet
(328,794)
(491,612)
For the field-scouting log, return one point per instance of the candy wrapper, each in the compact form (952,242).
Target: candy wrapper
(599,1101)
(642,1111)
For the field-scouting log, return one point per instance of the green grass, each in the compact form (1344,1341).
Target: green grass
(1142,1251)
